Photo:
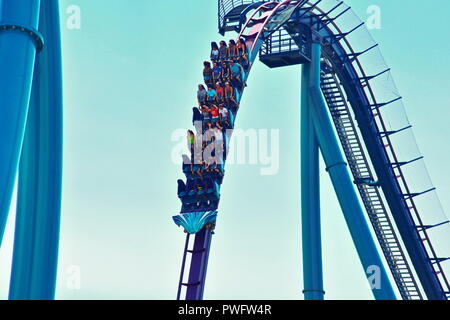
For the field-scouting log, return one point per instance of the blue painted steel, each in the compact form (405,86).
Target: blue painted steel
(17,58)
(226,9)
(193,222)
(363,114)
(342,182)
(199,265)
(183,265)
(36,240)
(310,199)
(386,175)
(31,32)
(203,238)
(403,219)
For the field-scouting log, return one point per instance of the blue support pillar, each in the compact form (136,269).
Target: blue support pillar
(18,46)
(344,188)
(310,199)
(36,238)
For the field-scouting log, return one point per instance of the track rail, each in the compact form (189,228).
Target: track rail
(367,187)
(257,28)
(350,77)
(383,156)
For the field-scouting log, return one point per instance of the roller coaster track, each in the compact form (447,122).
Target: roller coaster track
(369,151)
(370,194)
(388,167)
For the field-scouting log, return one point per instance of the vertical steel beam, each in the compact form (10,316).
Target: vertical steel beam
(36,241)
(17,57)
(310,198)
(344,188)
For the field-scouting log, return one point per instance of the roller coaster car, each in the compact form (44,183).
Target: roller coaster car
(196,115)
(216,177)
(212,189)
(198,190)
(231,119)
(187,171)
(187,168)
(210,226)
(200,206)
(237,85)
(210,205)
(187,192)
(181,188)
(186,163)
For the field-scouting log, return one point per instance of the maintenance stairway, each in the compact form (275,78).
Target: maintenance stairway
(367,186)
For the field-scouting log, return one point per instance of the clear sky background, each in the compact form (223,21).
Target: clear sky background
(130,76)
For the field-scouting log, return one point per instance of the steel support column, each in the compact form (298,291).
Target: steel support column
(310,199)
(344,188)
(36,238)
(17,57)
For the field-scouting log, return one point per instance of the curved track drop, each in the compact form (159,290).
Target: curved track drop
(358,112)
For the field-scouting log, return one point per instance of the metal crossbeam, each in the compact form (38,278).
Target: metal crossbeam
(339,36)
(309,9)
(379,105)
(350,57)
(328,21)
(426,227)
(368,78)
(389,133)
(413,195)
(439,260)
(403,163)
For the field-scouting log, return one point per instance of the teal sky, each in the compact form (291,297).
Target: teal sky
(130,76)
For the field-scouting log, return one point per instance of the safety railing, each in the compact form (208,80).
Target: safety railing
(283,42)
(225,7)
(279,42)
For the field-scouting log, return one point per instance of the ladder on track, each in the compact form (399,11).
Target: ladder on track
(199,257)
(367,187)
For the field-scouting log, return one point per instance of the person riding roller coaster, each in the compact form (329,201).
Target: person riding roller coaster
(217,71)
(210,95)
(225,72)
(229,96)
(236,74)
(201,94)
(214,115)
(223,115)
(220,93)
(223,51)
(191,140)
(206,114)
(207,73)
(232,50)
(242,52)
(214,52)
